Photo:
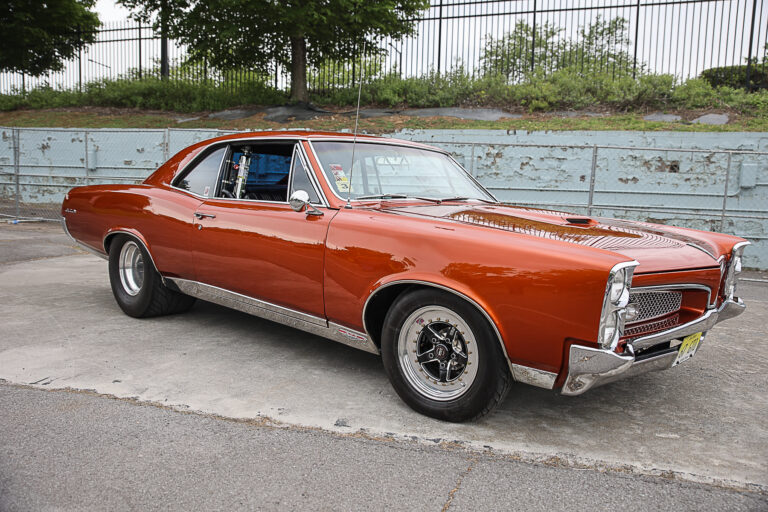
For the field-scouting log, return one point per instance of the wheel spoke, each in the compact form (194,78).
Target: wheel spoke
(435,333)
(443,372)
(425,357)
(461,358)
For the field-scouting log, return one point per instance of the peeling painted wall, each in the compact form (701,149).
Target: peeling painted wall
(666,177)
(674,178)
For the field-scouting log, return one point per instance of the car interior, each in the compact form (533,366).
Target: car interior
(257,171)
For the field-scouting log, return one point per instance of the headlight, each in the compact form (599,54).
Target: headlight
(618,286)
(614,304)
(734,269)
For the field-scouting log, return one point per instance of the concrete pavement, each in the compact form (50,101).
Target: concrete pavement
(77,451)
(703,421)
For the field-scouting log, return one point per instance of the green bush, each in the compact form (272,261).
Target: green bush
(150,93)
(565,89)
(736,76)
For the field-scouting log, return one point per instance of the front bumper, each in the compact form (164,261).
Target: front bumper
(590,367)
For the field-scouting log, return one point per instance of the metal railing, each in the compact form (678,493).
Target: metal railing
(508,37)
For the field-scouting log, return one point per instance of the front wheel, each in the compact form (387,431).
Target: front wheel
(442,356)
(137,286)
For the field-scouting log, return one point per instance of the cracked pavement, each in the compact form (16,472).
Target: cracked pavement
(216,409)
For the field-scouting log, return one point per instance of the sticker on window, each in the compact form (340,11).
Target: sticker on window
(342,183)
(206,191)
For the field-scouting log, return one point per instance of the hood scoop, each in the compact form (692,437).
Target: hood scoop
(580,221)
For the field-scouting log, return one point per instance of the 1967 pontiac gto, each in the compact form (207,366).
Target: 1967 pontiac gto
(391,247)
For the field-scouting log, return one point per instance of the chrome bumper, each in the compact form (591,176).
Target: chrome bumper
(590,367)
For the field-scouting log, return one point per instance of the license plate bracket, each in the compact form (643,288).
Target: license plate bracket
(688,348)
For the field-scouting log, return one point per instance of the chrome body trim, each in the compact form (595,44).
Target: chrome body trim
(132,235)
(286,316)
(471,301)
(590,367)
(81,244)
(616,309)
(533,376)
(696,246)
(674,287)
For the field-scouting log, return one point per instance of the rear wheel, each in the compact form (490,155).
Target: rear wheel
(442,356)
(137,286)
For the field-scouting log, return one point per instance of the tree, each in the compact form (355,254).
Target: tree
(255,34)
(600,46)
(37,37)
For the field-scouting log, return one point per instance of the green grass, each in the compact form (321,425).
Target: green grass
(123,118)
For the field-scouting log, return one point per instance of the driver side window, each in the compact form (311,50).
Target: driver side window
(257,172)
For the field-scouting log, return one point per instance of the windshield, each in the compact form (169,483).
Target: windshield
(385,170)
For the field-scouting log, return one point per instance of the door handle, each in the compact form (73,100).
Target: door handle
(204,215)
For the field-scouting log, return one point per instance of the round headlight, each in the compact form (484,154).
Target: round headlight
(618,285)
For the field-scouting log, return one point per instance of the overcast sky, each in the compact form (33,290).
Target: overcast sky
(109,10)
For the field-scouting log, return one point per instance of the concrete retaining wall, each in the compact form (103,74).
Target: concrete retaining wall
(711,181)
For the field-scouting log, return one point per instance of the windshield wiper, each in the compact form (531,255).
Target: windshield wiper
(384,196)
(444,199)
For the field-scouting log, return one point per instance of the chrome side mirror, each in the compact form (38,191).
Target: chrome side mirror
(299,201)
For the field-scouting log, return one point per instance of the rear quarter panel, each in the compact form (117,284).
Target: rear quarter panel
(161,217)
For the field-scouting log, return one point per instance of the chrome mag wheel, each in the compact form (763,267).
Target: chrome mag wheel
(437,352)
(131,268)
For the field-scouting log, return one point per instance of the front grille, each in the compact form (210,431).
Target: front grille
(659,325)
(654,303)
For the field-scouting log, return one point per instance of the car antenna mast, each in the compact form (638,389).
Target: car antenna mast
(354,137)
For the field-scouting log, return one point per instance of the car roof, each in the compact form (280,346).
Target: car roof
(312,135)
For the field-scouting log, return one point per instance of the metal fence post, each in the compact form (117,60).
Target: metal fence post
(166,144)
(725,191)
(637,34)
(164,68)
(79,60)
(140,50)
(472,161)
(16,170)
(86,162)
(747,85)
(533,39)
(439,35)
(592,180)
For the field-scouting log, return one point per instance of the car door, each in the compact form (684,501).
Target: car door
(249,240)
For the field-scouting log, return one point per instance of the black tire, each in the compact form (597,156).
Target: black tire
(491,381)
(153,297)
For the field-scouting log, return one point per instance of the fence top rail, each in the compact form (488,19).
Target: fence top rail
(428,142)
(591,147)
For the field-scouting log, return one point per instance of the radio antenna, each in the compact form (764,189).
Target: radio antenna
(354,137)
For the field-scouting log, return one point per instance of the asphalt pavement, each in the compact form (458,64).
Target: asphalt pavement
(65,450)
(216,409)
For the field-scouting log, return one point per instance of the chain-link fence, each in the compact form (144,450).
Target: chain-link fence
(712,189)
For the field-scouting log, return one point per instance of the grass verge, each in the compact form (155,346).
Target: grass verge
(133,118)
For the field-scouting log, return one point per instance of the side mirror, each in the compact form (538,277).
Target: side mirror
(299,201)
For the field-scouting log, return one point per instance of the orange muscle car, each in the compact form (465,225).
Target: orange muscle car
(391,247)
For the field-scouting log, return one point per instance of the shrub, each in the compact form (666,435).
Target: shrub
(736,77)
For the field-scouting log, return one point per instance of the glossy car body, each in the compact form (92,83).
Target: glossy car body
(539,277)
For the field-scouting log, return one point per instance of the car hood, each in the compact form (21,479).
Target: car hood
(657,247)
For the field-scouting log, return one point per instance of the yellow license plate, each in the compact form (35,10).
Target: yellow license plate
(688,348)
